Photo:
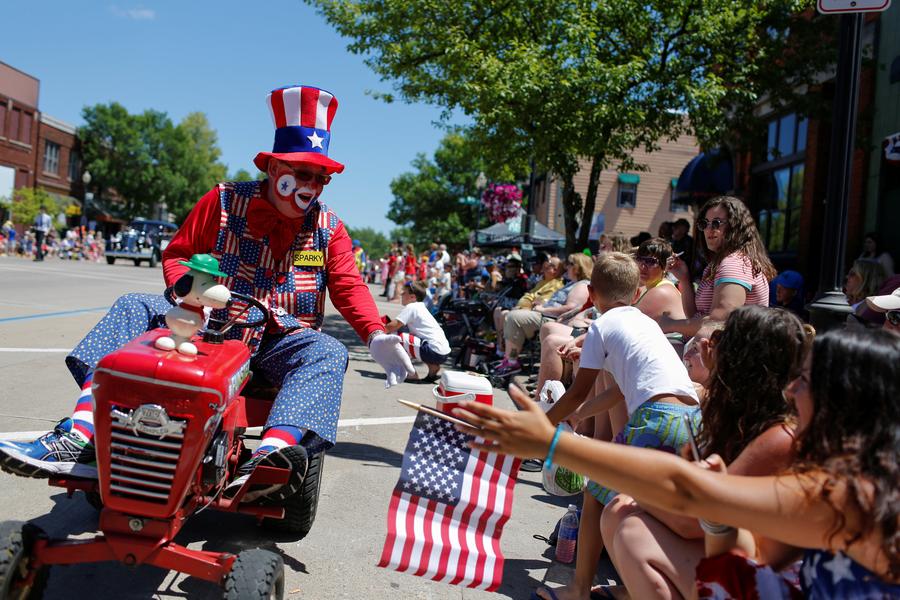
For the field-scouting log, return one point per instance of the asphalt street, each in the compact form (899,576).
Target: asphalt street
(45,308)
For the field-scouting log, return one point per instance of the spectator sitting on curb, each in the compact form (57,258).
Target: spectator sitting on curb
(425,339)
(648,378)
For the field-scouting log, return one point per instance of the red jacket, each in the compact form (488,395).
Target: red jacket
(349,294)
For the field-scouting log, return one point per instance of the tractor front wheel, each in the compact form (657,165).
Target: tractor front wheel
(16,541)
(300,508)
(256,573)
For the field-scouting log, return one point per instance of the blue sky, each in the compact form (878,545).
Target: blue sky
(221,58)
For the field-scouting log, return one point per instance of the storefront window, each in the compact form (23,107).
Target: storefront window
(779,183)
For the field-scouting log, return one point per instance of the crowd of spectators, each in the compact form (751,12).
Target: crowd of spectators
(76,243)
(648,329)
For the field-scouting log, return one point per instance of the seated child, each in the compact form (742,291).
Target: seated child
(648,377)
(426,340)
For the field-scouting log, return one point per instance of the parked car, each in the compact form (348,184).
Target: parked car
(142,240)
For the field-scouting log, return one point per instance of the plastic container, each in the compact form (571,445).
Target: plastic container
(455,386)
(568,536)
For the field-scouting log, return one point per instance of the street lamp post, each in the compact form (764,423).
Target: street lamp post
(88,196)
(480,183)
(830,309)
(86,180)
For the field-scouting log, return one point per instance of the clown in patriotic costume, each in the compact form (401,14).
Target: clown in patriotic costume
(277,242)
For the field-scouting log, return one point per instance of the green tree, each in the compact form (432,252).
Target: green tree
(559,80)
(146,159)
(375,243)
(429,201)
(27,203)
(244,175)
(193,161)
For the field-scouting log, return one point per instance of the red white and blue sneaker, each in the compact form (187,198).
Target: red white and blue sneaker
(58,452)
(288,457)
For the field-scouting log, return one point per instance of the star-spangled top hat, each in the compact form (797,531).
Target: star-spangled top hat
(302,115)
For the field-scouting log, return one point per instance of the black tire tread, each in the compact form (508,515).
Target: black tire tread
(300,508)
(254,574)
(16,540)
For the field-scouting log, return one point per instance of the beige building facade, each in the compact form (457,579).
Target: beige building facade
(628,202)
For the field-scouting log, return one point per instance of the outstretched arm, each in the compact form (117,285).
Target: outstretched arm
(787,508)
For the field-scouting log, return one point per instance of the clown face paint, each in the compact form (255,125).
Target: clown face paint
(293,191)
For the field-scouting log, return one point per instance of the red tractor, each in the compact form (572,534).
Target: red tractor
(169,436)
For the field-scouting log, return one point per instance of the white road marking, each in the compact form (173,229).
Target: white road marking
(17,350)
(27,436)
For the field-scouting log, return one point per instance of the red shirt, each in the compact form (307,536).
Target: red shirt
(349,294)
(409,265)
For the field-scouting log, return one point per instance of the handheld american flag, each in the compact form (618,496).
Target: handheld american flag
(449,507)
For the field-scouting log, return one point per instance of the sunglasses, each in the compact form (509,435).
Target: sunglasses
(893,317)
(647,261)
(716,224)
(303,176)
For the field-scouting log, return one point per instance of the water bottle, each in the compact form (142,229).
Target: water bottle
(568,536)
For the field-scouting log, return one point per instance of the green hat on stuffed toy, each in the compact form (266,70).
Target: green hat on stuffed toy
(205,263)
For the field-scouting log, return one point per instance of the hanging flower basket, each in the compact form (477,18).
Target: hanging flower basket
(502,201)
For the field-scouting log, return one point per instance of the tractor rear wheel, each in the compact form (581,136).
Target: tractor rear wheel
(16,541)
(256,573)
(300,508)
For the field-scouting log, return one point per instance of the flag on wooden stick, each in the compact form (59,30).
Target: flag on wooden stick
(448,508)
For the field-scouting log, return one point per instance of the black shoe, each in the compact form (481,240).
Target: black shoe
(289,457)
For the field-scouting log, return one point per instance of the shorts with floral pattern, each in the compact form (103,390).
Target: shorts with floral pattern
(658,425)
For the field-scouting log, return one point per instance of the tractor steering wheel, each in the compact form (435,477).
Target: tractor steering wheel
(253,302)
(169,294)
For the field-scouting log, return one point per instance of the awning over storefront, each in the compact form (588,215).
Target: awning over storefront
(708,174)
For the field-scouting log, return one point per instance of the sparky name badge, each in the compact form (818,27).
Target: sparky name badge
(309,258)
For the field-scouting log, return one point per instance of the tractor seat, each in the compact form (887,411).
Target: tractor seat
(260,388)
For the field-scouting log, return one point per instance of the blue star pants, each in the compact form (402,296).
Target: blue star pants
(307,365)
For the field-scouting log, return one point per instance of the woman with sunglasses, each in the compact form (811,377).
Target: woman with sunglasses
(659,296)
(738,268)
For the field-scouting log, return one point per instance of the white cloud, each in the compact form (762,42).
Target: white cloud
(135,14)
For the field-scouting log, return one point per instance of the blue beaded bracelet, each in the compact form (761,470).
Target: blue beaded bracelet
(548,462)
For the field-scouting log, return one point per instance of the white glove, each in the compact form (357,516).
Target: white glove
(387,352)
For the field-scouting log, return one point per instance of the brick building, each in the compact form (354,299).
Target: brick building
(57,161)
(36,150)
(628,202)
(18,131)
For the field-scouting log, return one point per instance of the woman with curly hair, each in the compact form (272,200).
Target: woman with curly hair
(838,501)
(745,420)
(738,268)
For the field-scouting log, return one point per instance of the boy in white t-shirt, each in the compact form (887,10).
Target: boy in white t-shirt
(426,340)
(649,378)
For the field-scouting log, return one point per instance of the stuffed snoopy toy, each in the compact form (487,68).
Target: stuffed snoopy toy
(197,288)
